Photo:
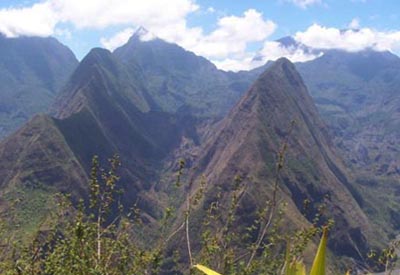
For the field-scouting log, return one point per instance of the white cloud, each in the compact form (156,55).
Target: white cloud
(118,39)
(104,13)
(228,42)
(227,45)
(211,10)
(37,20)
(321,37)
(304,3)
(354,24)
(232,35)
(41,19)
(274,50)
(271,51)
(238,64)
(123,36)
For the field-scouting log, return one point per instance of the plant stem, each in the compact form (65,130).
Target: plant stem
(187,229)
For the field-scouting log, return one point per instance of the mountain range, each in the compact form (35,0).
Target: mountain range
(153,102)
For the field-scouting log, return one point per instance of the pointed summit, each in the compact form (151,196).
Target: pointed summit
(97,55)
(175,77)
(288,41)
(250,139)
(295,50)
(142,34)
(141,30)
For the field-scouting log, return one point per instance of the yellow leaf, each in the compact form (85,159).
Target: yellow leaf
(206,270)
(300,268)
(295,268)
(318,267)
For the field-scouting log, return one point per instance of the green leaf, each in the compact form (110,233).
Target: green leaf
(318,267)
(206,270)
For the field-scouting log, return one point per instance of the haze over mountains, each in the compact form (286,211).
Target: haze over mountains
(153,102)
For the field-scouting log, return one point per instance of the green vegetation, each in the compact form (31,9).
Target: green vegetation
(29,208)
(96,236)
(82,240)
(295,266)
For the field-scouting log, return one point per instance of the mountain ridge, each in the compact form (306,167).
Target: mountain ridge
(248,144)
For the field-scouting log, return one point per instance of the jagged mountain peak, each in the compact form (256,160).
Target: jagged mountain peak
(140,31)
(90,70)
(101,74)
(282,66)
(96,54)
(291,48)
(288,41)
(250,138)
(175,77)
(142,35)
(97,57)
(277,83)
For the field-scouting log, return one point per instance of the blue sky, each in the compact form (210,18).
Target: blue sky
(229,33)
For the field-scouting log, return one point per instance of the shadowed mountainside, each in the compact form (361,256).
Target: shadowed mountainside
(32,70)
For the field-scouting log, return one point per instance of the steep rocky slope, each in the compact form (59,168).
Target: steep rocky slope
(248,142)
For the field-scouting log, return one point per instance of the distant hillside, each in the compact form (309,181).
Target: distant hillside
(178,80)
(32,70)
(358,95)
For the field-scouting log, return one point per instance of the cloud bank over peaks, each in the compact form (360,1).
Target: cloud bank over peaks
(273,50)
(123,37)
(229,44)
(311,43)
(226,44)
(351,40)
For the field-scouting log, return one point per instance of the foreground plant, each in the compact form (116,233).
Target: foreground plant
(294,266)
(94,238)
